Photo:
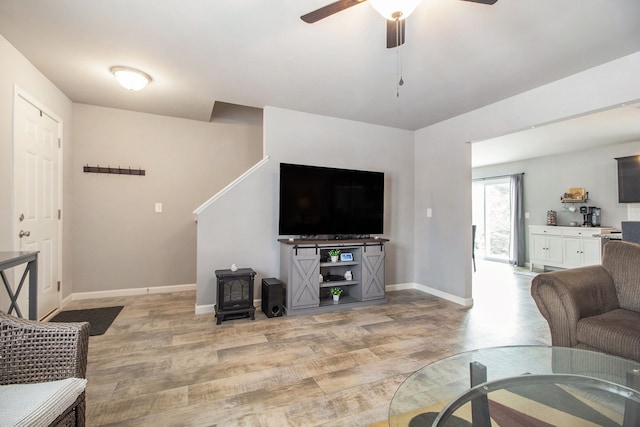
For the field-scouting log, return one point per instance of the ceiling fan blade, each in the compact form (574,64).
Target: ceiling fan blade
(329,10)
(483,1)
(395,37)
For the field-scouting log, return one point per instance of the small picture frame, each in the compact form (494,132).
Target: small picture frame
(346,256)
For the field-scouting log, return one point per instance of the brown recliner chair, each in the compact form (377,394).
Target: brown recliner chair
(595,307)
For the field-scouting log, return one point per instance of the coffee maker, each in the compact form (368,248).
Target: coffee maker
(591,216)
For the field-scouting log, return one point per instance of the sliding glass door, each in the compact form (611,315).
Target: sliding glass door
(492,217)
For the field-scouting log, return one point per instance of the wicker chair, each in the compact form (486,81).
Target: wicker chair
(40,352)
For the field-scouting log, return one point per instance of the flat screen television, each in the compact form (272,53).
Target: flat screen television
(629,179)
(328,201)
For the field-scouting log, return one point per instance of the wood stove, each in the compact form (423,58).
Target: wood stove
(234,294)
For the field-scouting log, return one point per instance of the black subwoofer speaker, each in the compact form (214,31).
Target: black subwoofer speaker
(272,297)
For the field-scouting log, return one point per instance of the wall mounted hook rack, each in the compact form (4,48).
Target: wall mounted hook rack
(109,169)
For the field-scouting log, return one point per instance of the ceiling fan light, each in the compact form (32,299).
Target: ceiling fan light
(395,9)
(130,78)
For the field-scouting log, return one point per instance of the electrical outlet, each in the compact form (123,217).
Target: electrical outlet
(158,207)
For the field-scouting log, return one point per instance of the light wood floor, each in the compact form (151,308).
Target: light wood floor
(161,365)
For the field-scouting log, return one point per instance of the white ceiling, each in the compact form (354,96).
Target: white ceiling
(459,55)
(613,126)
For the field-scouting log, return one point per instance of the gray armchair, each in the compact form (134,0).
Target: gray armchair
(595,307)
(43,353)
(631,231)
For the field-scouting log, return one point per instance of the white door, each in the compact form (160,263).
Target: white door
(36,138)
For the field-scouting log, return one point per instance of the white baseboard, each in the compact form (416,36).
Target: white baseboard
(400,287)
(130,292)
(205,309)
(210,308)
(67,300)
(465,302)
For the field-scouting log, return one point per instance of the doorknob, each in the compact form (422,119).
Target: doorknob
(24,234)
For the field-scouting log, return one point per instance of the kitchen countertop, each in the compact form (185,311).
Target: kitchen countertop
(615,235)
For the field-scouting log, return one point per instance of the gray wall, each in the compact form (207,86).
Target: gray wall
(547,178)
(241,226)
(443,241)
(119,241)
(443,180)
(16,70)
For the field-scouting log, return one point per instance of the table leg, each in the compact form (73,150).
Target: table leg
(31,270)
(13,297)
(19,289)
(631,408)
(480,405)
(32,266)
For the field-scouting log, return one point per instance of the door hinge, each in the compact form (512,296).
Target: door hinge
(59,142)
(59,285)
(59,213)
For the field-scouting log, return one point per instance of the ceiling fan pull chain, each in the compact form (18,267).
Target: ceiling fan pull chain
(397,75)
(401,82)
(398,59)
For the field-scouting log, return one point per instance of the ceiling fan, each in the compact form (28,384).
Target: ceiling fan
(392,13)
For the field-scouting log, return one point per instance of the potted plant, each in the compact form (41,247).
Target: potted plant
(336,292)
(334,254)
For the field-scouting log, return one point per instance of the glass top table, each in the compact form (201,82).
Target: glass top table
(521,385)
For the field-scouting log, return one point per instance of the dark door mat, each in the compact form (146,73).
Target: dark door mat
(99,318)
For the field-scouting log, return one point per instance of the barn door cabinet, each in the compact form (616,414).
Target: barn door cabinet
(308,273)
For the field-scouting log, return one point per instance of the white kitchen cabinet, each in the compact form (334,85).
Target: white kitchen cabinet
(581,251)
(546,248)
(565,247)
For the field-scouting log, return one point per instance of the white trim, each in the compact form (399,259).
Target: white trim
(400,287)
(465,302)
(210,308)
(228,188)
(67,300)
(205,309)
(34,101)
(131,292)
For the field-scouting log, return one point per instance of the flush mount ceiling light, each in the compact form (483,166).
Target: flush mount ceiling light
(130,78)
(395,9)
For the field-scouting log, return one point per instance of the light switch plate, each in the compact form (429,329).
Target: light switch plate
(158,207)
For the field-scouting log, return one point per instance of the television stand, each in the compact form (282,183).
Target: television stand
(351,236)
(327,237)
(303,261)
